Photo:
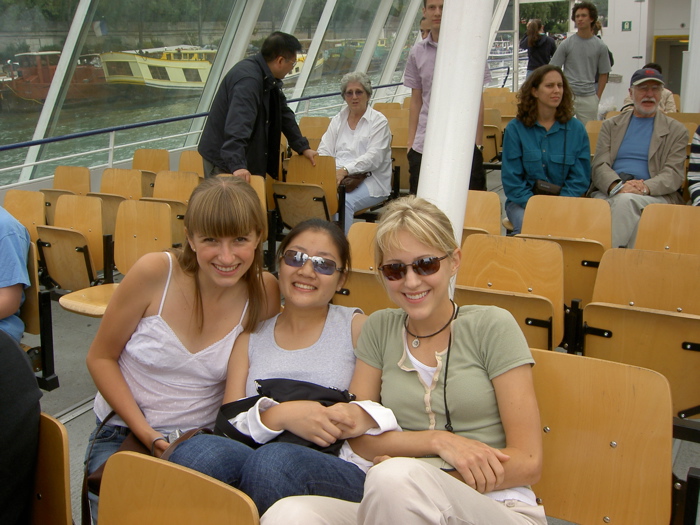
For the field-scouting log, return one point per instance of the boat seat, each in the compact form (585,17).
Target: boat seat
(483,214)
(28,207)
(72,178)
(153,160)
(36,315)
(669,228)
(399,150)
(191,161)
(183,496)
(51,196)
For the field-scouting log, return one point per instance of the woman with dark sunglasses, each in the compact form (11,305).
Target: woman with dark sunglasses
(312,341)
(457,379)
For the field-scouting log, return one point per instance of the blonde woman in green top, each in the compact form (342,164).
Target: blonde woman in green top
(460,385)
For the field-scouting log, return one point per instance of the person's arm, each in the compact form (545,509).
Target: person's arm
(272,295)
(137,291)
(290,128)
(414,110)
(378,147)
(513,175)
(602,81)
(672,173)
(10,299)
(559,57)
(245,96)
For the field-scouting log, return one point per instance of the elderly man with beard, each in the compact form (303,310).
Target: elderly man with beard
(640,158)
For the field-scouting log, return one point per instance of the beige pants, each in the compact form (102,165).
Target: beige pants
(407,492)
(586,108)
(626,210)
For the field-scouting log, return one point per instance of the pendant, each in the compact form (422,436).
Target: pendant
(415,343)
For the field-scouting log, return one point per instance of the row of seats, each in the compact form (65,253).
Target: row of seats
(579,428)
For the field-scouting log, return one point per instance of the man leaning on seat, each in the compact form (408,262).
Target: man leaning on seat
(639,159)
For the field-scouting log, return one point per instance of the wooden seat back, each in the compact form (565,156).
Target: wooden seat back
(295,202)
(669,228)
(383,106)
(127,183)
(50,200)
(142,227)
(685,117)
(301,171)
(677,101)
(310,121)
(492,140)
(52,497)
(153,160)
(483,214)
(525,276)
(594,126)
(192,162)
(110,206)
(363,287)
(28,207)
(175,185)
(83,214)
(606,440)
(72,178)
(654,323)
(399,150)
(67,261)
(137,488)
(582,227)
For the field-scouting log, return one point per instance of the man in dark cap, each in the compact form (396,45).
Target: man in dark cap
(639,159)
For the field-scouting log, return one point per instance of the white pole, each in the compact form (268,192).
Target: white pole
(690,96)
(454,107)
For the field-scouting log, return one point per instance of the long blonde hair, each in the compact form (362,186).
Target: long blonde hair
(226,207)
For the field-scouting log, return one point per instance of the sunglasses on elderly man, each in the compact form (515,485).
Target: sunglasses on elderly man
(423,266)
(323,266)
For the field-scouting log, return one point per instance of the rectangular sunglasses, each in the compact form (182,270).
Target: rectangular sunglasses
(298,259)
(423,266)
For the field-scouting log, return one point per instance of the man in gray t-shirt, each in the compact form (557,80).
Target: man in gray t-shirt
(582,55)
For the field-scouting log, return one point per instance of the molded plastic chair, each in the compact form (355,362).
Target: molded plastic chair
(142,227)
(669,228)
(140,489)
(73,250)
(52,498)
(523,276)
(309,191)
(606,441)
(649,322)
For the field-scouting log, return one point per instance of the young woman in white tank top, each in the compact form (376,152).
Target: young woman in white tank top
(159,357)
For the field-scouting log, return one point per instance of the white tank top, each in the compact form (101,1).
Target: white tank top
(174,388)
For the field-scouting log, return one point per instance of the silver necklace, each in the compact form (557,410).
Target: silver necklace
(416,338)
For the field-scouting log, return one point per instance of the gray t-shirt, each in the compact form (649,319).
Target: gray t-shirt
(330,361)
(581,59)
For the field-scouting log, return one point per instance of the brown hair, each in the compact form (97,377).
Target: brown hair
(592,11)
(533,31)
(527,103)
(226,207)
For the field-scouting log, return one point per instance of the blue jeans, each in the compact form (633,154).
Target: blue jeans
(107,442)
(278,470)
(358,200)
(216,456)
(515,215)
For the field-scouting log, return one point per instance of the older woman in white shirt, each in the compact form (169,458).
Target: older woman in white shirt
(359,139)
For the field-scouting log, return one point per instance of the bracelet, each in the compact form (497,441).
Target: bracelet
(153,444)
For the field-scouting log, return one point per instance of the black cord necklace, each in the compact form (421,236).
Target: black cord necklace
(416,341)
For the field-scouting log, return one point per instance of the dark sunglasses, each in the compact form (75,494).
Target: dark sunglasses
(298,259)
(424,266)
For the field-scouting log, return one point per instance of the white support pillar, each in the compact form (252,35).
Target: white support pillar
(690,97)
(291,19)
(373,36)
(454,107)
(402,35)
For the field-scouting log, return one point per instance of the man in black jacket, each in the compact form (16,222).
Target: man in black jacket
(249,112)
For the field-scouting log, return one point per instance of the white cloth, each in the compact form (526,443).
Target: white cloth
(174,388)
(367,148)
